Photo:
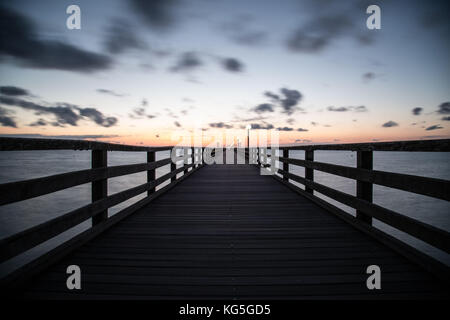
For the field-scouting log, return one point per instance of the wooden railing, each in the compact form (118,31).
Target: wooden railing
(365,178)
(97,210)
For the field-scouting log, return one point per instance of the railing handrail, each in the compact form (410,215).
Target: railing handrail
(18,144)
(435,145)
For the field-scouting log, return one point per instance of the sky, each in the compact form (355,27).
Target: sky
(137,72)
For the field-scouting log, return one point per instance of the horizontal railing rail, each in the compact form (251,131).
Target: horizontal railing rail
(98,176)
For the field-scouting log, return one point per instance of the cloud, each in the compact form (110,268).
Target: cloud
(20,41)
(345,109)
(38,123)
(264,107)
(13,91)
(177,124)
(318,33)
(121,37)
(390,124)
(340,109)
(65,114)
(314,123)
(111,92)
(266,126)
(329,21)
(285,129)
(290,121)
(220,125)
(417,111)
(272,96)
(434,127)
(157,14)
(291,99)
(187,61)
(98,117)
(302,130)
(368,76)
(446,118)
(240,31)
(444,108)
(5,119)
(141,113)
(232,65)
(302,141)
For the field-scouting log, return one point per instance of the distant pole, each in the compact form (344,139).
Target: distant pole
(248,140)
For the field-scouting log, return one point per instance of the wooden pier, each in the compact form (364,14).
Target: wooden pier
(228,232)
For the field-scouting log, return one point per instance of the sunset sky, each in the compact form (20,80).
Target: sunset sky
(137,71)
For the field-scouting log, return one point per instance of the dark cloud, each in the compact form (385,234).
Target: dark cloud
(329,21)
(302,130)
(232,65)
(314,123)
(157,14)
(302,141)
(290,100)
(434,127)
(390,124)
(5,119)
(19,40)
(187,62)
(336,109)
(369,76)
(111,92)
(65,114)
(141,113)
(444,108)
(317,34)
(38,123)
(98,117)
(345,109)
(121,37)
(13,91)
(417,111)
(177,124)
(220,125)
(265,126)
(285,129)
(446,118)
(272,96)
(290,121)
(241,32)
(264,107)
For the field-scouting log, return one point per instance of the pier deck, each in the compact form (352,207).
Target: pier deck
(229,232)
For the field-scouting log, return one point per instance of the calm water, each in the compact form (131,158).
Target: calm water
(21,165)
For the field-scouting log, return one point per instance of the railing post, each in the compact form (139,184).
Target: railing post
(151,174)
(364,190)
(285,164)
(186,162)
(309,173)
(173,167)
(99,188)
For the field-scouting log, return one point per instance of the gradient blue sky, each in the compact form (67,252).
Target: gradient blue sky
(408,60)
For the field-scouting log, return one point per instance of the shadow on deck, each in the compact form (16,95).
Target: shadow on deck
(228,232)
